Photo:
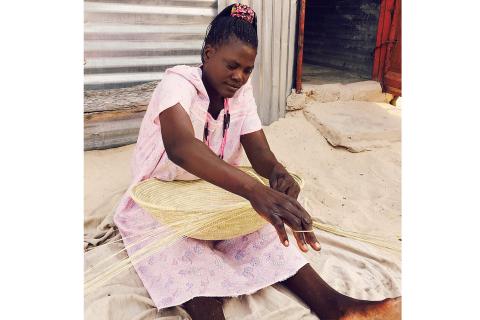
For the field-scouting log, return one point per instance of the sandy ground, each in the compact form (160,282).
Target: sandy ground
(356,191)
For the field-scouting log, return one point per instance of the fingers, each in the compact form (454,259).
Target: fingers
(283,184)
(285,215)
(293,191)
(296,224)
(304,238)
(300,241)
(310,237)
(305,223)
(287,185)
(274,183)
(279,208)
(292,215)
(277,223)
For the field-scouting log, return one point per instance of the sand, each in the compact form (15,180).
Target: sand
(358,191)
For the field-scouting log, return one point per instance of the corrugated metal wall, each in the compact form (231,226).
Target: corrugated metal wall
(133,41)
(273,75)
(129,42)
(341,34)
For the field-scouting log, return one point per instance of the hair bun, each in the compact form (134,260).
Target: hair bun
(243,12)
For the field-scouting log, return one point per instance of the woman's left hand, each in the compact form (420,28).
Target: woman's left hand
(283,182)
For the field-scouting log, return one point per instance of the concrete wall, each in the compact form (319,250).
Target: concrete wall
(341,34)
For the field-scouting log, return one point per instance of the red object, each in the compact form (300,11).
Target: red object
(301,32)
(387,63)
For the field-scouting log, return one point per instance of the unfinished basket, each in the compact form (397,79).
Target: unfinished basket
(217,213)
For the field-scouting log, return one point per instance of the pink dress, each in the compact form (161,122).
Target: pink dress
(190,268)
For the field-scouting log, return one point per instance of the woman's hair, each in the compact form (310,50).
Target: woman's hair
(224,26)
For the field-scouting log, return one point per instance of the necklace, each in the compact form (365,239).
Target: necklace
(226,124)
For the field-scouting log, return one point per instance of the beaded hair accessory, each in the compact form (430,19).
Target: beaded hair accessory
(243,12)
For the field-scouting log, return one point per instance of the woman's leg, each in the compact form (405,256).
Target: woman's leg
(205,308)
(329,304)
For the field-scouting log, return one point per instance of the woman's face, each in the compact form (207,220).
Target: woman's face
(228,67)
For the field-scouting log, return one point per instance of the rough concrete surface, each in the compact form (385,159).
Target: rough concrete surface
(359,91)
(356,125)
(328,92)
(295,101)
(368,91)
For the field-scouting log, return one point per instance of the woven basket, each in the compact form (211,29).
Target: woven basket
(189,202)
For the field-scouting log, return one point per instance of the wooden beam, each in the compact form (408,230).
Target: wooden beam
(135,98)
(301,32)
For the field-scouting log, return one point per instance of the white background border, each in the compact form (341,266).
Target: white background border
(42,160)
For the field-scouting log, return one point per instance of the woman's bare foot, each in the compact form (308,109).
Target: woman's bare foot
(389,309)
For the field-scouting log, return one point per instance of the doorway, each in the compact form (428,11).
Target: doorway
(340,40)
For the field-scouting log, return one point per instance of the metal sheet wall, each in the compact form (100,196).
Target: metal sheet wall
(273,76)
(341,34)
(129,42)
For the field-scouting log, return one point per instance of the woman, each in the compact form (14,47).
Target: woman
(196,125)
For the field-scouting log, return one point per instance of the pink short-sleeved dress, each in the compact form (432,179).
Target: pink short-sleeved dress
(190,268)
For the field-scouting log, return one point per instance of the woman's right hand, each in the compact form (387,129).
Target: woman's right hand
(279,208)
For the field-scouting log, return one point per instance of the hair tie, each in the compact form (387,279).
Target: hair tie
(243,12)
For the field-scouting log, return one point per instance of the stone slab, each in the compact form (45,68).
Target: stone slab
(356,125)
(295,101)
(359,91)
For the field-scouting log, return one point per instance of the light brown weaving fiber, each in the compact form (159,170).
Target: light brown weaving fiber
(193,201)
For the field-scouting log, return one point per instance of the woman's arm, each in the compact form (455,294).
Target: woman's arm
(264,162)
(194,156)
(258,152)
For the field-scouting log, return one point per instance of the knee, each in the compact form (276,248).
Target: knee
(204,308)
(204,301)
